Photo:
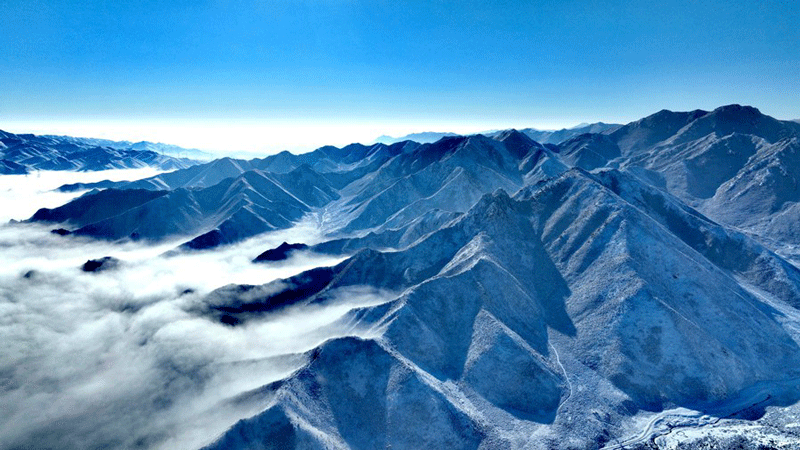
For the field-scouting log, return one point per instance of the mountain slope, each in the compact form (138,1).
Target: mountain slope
(28,152)
(506,310)
(341,166)
(449,175)
(229,211)
(559,136)
(164,149)
(763,196)
(734,163)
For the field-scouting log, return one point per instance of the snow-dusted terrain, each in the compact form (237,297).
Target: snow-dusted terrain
(541,136)
(630,287)
(24,153)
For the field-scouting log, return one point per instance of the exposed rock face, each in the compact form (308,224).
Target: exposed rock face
(280,252)
(100,265)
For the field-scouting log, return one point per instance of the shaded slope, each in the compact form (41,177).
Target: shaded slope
(449,175)
(341,166)
(586,273)
(96,206)
(233,209)
(733,163)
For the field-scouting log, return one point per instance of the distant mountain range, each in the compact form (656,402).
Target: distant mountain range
(164,149)
(541,136)
(426,137)
(545,294)
(22,153)
(700,157)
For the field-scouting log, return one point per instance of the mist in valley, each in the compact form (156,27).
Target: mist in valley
(119,358)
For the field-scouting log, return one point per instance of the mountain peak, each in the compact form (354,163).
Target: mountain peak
(513,134)
(737,109)
(517,142)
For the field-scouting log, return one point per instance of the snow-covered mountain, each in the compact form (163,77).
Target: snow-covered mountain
(342,163)
(543,320)
(541,136)
(158,147)
(734,164)
(367,187)
(229,211)
(559,136)
(21,153)
(595,293)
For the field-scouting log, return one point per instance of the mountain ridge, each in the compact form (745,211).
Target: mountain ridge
(22,153)
(368,185)
(542,136)
(158,147)
(457,343)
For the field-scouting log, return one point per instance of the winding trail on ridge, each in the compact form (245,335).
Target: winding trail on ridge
(566,377)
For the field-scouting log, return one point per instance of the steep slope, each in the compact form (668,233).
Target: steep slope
(375,187)
(730,119)
(589,151)
(234,209)
(714,161)
(341,166)
(449,175)
(21,153)
(96,206)
(11,168)
(764,195)
(541,321)
(651,130)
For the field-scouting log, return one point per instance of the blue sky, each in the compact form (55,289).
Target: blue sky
(265,75)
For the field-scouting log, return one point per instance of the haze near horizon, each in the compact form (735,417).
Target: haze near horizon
(268,76)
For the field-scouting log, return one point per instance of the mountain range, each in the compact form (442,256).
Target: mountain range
(425,137)
(545,295)
(541,136)
(734,164)
(559,136)
(158,147)
(22,153)
(704,158)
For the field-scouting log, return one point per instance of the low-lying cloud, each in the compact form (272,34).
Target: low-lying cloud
(117,359)
(23,195)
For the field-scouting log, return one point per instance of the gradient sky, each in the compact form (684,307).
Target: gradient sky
(268,75)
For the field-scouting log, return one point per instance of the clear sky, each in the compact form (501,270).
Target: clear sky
(274,74)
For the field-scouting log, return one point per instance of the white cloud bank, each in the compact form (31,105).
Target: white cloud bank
(23,195)
(116,359)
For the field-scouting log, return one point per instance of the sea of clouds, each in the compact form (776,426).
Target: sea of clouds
(119,358)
